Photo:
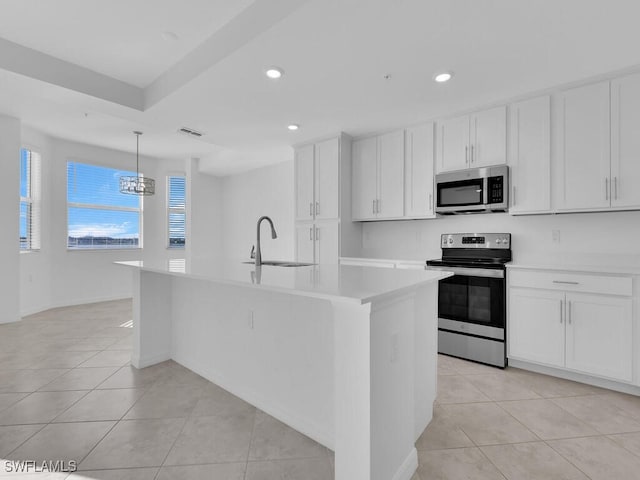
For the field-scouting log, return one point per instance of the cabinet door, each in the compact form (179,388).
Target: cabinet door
(305,243)
(453,144)
(327,243)
(364,179)
(327,185)
(599,335)
(391,175)
(536,326)
(585,155)
(418,171)
(488,137)
(530,156)
(304,182)
(625,141)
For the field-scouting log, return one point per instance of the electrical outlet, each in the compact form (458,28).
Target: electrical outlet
(555,236)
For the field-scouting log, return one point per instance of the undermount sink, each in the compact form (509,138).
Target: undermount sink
(284,263)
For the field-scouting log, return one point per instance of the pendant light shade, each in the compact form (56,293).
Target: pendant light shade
(137,185)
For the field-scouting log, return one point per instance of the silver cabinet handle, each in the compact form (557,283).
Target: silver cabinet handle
(311,209)
(472,153)
(466,154)
(317,234)
(569,313)
(561,302)
(615,185)
(373,206)
(606,188)
(430,202)
(317,208)
(566,282)
(311,234)
(513,202)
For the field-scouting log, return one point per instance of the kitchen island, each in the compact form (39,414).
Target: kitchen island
(344,354)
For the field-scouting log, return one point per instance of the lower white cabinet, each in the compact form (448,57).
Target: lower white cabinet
(317,242)
(588,333)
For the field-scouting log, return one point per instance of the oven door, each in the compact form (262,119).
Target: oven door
(473,302)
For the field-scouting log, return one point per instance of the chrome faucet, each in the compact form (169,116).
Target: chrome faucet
(258,253)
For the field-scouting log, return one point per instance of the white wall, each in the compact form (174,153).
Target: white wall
(248,196)
(204,222)
(9,208)
(591,236)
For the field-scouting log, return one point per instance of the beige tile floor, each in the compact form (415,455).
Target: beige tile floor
(67,391)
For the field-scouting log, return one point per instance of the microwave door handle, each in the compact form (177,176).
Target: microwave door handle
(485,191)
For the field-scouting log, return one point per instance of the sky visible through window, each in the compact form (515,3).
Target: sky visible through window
(99,216)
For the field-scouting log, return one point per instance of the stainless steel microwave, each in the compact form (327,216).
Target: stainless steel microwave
(473,190)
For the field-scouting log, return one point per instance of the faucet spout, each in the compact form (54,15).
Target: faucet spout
(273,235)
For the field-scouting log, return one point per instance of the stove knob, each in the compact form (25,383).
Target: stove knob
(450,240)
(498,241)
(505,241)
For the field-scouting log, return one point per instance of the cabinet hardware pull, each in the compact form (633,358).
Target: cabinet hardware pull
(606,188)
(373,206)
(317,208)
(472,153)
(615,184)
(311,209)
(317,234)
(311,234)
(561,311)
(430,202)
(466,154)
(566,282)
(513,202)
(569,315)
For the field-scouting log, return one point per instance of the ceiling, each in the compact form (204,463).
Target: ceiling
(93,71)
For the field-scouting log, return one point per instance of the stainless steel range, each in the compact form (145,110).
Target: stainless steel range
(472,303)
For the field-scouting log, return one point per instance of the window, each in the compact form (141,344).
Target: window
(29,200)
(98,215)
(176,211)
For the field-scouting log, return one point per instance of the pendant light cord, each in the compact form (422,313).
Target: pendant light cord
(138,153)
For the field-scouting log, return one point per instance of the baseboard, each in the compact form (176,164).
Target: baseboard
(73,303)
(311,430)
(576,377)
(408,467)
(140,362)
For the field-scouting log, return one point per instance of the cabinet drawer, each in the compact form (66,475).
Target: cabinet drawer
(571,282)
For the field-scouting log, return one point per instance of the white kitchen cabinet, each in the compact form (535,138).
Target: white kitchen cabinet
(560,320)
(378,177)
(365,178)
(599,335)
(530,156)
(304,174)
(418,171)
(317,180)
(584,173)
(625,142)
(326,243)
(536,329)
(305,243)
(471,141)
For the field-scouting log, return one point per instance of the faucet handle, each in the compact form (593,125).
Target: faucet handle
(253,251)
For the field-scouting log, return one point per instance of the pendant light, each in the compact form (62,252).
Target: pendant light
(137,185)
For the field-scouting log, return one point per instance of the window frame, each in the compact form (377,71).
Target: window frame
(111,208)
(175,210)
(32,200)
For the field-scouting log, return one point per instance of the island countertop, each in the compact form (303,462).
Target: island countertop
(331,282)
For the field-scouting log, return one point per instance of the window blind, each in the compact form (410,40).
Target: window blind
(30,200)
(176,211)
(98,215)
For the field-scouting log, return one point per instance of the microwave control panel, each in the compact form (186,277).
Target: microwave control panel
(496,189)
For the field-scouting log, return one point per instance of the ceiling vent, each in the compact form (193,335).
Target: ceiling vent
(190,132)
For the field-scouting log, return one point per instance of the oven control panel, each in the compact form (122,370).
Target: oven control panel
(476,240)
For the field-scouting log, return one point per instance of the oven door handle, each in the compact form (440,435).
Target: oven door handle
(470,272)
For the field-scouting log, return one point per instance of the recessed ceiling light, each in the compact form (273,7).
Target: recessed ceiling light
(443,77)
(170,36)
(274,72)
(293,127)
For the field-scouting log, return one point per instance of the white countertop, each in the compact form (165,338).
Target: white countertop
(587,263)
(332,282)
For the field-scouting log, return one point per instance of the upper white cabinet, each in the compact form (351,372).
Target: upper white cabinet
(625,141)
(418,170)
(317,180)
(530,156)
(378,177)
(584,154)
(476,140)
